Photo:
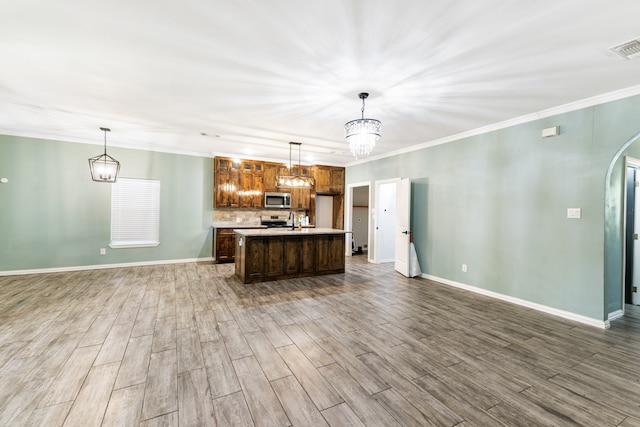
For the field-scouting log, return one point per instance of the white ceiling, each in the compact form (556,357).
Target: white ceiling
(254,75)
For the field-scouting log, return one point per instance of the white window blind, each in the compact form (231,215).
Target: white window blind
(135,213)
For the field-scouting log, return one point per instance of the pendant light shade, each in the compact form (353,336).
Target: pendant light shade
(362,134)
(104,168)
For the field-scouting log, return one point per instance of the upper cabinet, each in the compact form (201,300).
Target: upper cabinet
(336,184)
(269,176)
(271,171)
(238,184)
(227,183)
(242,183)
(251,182)
(301,198)
(329,179)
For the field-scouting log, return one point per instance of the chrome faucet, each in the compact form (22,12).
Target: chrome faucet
(292,218)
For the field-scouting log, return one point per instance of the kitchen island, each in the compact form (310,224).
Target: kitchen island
(282,253)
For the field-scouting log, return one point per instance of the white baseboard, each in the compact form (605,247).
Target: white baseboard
(615,315)
(101,266)
(602,324)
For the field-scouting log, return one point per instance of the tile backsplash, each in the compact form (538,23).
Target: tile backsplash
(243,216)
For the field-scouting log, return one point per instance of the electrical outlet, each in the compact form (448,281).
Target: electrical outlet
(103,251)
(464,268)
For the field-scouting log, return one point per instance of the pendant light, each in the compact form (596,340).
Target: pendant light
(362,134)
(294,180)
(104,168)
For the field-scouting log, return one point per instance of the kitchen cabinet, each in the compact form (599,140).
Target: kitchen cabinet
(252,187)
(322,176)
(329,252)
(265,255)
(336,182)
(273,256)
(301,198)
(238,184)
(241,184)
(225,245)
(329,179)
(227,183)
(271,170)
(294,263)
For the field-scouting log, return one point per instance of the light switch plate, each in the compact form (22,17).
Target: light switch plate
(548,132)
(574,213)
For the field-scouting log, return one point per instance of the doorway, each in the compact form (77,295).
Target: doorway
(357,219)
(632,230)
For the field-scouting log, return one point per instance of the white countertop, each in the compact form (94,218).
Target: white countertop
(233,224)
(288,231)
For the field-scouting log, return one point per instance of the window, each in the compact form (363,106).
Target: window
(135,213)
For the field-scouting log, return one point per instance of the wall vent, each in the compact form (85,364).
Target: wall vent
(628,50)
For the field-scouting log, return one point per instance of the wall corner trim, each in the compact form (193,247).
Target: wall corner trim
(518,301)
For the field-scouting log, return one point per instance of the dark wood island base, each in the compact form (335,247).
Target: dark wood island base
(274,254)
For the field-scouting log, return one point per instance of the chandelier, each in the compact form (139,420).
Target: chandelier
(362,134)
(294,178)
(104,168)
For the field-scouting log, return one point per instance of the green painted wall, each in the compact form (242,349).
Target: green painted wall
(52,215)
(498,203)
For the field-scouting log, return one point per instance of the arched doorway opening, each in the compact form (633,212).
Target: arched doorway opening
(614,230)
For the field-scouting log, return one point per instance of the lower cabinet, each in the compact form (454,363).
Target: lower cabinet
(330,252)
(273,252)
(252,257)
(262,258)
(225,245)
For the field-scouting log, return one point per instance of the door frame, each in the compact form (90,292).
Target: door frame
(629,162)
(348,216)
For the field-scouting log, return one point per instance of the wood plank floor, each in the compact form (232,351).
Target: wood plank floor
(189,345)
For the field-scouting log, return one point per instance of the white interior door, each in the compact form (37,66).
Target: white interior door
(385,221)
(403,221)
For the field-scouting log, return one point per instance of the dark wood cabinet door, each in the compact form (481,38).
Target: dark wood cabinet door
(308,255)
(255,256)
(330,252)
(269,177)
(322,176)
(329,179)
(274,262)
(226,183)
(225,245)
(301,198)
(337,180)
(256,190)
(292,255)
(252,191)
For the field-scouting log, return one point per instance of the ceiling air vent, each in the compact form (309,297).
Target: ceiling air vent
(628,50)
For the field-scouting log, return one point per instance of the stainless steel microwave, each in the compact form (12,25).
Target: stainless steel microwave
(277,200)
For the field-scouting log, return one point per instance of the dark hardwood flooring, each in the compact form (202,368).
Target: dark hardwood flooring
(189,345)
